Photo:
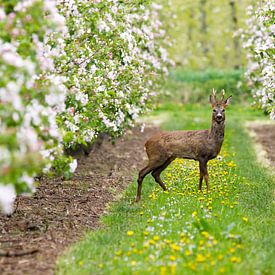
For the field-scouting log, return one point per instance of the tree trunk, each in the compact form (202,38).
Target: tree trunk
(203,26)
(236,43)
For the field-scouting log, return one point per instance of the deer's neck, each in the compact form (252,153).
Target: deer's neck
(217,132)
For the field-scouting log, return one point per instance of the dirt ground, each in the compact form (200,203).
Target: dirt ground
(60,211)
(265,136)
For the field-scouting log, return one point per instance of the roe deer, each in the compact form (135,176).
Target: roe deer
(200,145)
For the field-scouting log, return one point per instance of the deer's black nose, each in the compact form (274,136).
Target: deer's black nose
(219,116)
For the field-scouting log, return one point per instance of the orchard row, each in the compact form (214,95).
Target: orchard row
(259,40)
(70,70)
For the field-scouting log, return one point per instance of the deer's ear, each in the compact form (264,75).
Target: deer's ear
(227,101)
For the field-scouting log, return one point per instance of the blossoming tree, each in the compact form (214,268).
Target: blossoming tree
(69,71)
(259,40)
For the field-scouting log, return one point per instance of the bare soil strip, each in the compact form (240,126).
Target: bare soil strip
(60,211)
(264,135)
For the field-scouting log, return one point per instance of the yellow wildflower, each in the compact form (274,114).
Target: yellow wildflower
(194,214)
(119,253)
(200,258)
(172,258)
(152,242)
(130,233)
(235,259)
(173,269)
(156,238)
(188,252)
(163,270)
(205,234)
(175,247)
(133,263)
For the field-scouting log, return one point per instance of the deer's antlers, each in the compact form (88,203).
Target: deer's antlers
(223,93)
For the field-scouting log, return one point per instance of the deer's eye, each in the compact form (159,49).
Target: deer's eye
(223,110)
(214,110)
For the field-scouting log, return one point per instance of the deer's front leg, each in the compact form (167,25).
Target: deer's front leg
(206,177)
(203,173)
(201,178)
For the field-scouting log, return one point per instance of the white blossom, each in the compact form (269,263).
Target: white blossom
(7,198)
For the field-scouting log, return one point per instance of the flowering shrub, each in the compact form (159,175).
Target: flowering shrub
(259,40)
(69,71)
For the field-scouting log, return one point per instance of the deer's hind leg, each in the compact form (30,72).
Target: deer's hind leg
(156,172)
(153,164)
(142,173)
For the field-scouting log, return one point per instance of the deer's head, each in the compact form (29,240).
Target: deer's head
(218,106)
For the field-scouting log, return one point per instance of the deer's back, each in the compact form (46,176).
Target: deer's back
(183,144)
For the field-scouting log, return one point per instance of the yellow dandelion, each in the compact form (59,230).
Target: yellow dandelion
(130,233)
(152,242)
(172,258)
(200,258)
(156,238)
(182,235)
(146,245)
(145,233)
(133,263)
(175,247)
(163,270)
(245,219)
(119,253)
(188,253)
(220,257)
(194,214)
(173,269)
(205,234)
(235,259)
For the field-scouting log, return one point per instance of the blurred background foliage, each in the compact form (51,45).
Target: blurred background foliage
(204,48)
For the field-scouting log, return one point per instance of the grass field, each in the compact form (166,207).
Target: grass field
(192,86)
(228,230)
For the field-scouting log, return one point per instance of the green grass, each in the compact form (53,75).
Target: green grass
(194,86)
(229,230)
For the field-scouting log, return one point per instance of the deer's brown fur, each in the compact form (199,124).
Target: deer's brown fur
(201,145)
